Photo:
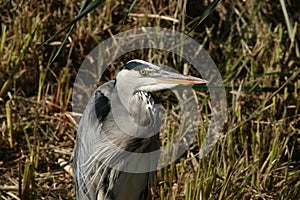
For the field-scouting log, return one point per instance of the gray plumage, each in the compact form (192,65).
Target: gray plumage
(106,130)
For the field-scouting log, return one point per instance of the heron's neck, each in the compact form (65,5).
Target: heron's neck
(138,104)
(125,92)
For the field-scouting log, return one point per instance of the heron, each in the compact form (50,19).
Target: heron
(98,129)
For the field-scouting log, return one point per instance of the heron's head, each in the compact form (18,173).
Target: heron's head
(140,75)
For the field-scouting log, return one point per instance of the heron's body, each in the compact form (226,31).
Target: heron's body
(100,113)
(100,140)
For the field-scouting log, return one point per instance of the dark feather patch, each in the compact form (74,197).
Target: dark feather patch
(133,65)
(102,106)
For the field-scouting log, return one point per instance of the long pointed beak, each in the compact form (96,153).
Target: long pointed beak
(176,78)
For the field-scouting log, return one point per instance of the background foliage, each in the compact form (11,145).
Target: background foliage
(255,45)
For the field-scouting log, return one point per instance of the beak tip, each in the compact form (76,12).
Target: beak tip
(201,81)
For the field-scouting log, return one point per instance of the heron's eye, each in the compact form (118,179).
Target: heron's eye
(142,72)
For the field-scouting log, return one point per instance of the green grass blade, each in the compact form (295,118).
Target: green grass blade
(206,12)
(129,10)
(83,12)
(289,22)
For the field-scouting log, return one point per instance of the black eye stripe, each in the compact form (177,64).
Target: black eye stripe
(142,68)
(133,65)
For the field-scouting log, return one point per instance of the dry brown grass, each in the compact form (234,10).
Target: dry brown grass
(256,158)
